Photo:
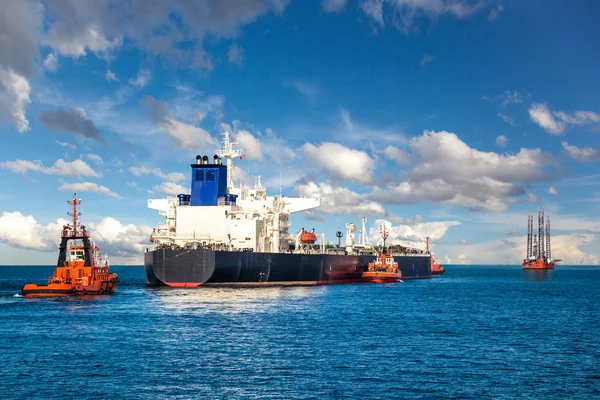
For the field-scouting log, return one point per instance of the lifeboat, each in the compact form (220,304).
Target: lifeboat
(80,270)
(308,237)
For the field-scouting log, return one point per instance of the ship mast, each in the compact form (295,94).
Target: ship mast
(72,229)
(229,152)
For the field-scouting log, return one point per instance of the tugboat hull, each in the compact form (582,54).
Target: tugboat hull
(381,277)
(63,290)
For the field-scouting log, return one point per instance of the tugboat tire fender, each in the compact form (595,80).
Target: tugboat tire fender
(84,291)
(101,290)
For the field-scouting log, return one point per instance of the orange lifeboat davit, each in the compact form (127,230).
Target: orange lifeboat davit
(80,270)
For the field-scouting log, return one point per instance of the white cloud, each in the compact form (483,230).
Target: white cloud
(495,12)
(501,140)
(69,146)
(236,55)
(584,154)
(96,159)
(186,135)
(142,79)
(333,6)
(25,232)
(171,189)
(351,131)
(14,96)
(250,144)
(397,155)
(111,77)
(341,162)
(412,235)
(556,122)
(51,62)
(126,241)
(89,187)
(463,241)
(339,200)
(60,167)
(172,176)
(447,170)
(426,59)
(552,190)
(402,13)
(509,97)
(91,38)
(507,119)
(565,247)
(309,90)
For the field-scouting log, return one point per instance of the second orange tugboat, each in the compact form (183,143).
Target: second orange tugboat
(436,267)
(80,269)
(383,269)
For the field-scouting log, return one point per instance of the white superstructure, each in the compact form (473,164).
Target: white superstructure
(253,221)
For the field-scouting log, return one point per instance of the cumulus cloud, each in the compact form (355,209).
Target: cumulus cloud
(341,162)
(411,235)
(172,176)
(71,120)
(14,96)
(171,189)
(171,29)
(501,140)
(20,25)
(125,243)
(236,55)
(60,167)
(18,230)
(398,155)
(185,135)
(584,154)
(552,190)
(555,122)
(250,144)
(96,159)
(89,187)
(569,248)
(447,170)
(339,200)
(51,62)
(333,6)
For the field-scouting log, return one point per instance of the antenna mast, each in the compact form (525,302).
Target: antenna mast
(229,151)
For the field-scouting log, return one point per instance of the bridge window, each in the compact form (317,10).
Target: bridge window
(199,175)
(210,176)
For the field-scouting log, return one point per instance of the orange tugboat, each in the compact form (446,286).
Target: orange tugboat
(80,269)
(539,254)
(436,267)
(383,269)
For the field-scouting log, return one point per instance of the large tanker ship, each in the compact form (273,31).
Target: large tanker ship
(236,235)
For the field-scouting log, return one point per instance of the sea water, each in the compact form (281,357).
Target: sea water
(475,332)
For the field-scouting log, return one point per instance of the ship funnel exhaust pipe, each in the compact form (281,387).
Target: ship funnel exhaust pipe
(198,159)
(205,160)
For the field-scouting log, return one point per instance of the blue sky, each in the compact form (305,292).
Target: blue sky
(450,118)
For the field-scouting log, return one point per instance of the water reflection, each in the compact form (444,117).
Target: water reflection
(229,300)
(540,275)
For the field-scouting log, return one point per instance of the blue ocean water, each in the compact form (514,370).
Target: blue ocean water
(475,332)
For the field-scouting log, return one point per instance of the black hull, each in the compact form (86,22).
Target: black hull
(192,268)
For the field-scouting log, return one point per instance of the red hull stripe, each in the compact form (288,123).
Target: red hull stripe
(183,284)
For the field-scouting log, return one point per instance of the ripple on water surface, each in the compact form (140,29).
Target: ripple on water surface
(474,332)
